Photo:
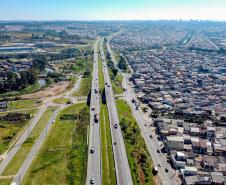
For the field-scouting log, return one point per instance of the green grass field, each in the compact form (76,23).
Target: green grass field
(20,156)
(9,130)
(5,181)
(24,104)
(139,159)
(63,158)
(61,100)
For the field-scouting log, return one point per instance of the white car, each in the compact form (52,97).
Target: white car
(160,164)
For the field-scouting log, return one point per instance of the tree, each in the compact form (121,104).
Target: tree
(115,72)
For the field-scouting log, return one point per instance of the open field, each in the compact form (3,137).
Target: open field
(24,104)
(9,130)
(50,91)
(63,157)
(61,100)
(20,156)
(139,159)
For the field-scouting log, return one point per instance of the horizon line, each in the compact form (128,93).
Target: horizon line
(108,20)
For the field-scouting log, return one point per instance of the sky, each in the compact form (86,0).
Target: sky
(112,9)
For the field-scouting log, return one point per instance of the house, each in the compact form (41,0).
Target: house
(217,178)
(175,142)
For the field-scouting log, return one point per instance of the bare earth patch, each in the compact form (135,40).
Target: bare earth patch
(50,91)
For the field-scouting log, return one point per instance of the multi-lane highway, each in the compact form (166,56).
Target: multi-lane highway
(94,154)
(123,174)
(152,144)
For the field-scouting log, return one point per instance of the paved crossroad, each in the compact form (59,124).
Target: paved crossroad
(123,174)
(94,158)
(23,169)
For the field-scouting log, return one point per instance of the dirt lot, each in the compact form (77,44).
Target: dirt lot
(51,91)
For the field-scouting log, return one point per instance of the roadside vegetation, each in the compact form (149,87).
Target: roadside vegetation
(62,100)
(23,104)
(20,156)
(108,168)
(139,159)
(63,157)
(116,78)
(86,81)
(11,125)
(122,64)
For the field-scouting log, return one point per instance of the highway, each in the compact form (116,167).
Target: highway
(152,144)
(123,174)
(94,157)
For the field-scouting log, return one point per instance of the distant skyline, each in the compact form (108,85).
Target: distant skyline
(113,9)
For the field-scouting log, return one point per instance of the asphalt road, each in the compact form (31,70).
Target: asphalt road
(123,174)
(38,144)
(94,159)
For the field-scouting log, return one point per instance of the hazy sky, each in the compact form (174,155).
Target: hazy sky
(112,9)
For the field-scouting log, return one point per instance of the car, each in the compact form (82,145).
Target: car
(155,170)
(108,86)
(150,136)
(116,126)
(96,118)
(93,108)
(158,151)
(114,143)
(92,150)
(166,170)
(92,181)
(160,164)
(106,83)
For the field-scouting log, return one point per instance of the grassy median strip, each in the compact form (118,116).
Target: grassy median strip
(108,167)
(20,156)
(63,157)
(139,159)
